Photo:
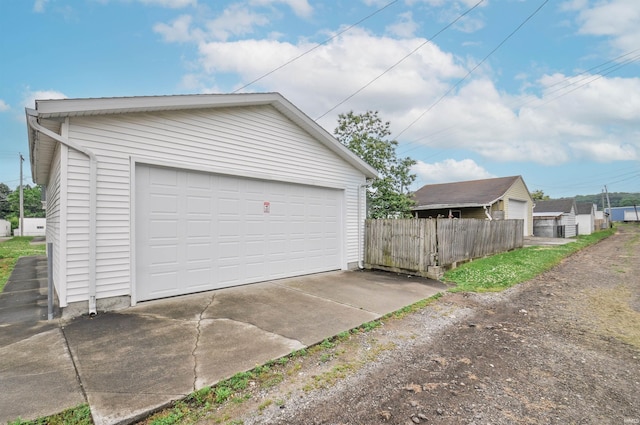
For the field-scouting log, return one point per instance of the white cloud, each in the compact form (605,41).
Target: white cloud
(236,20)
(324,77)
(39,5)
(449,171)
(617,19)
(301,8)
(405,26)
(30,97)
(605,151)
(452,9)
(556,125)
(178,31)
(173,4)
(3,106)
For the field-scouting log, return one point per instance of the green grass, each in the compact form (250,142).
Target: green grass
(13,249)
(80,415)
(502,271)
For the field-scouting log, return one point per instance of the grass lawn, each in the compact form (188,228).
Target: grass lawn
(501,271)
(13,249)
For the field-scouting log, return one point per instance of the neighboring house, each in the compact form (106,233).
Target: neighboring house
(151,197)
(624,213)
(33,226)
(555,218)
(586,217)
(492,199)
(5,228)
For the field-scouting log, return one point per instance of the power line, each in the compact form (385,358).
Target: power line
(566,82)
(588,74)
(595,78)
(339,33)
(402,59)
(473,69)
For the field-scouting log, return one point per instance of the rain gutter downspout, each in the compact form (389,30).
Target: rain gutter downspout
(360,225)
(486,212)
(93,177)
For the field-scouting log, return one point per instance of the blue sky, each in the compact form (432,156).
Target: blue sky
(554,92)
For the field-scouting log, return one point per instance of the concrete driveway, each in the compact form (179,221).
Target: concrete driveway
(128,363)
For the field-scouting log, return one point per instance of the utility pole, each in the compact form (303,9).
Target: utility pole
(21,199)
(608,204)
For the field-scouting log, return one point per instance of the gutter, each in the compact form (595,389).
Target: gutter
(32,120)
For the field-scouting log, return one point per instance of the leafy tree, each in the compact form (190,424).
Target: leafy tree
(538,195)
(629,201)
(4,201)
(31,202)
(368,137)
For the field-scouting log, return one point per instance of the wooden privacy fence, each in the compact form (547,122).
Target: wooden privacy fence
(426,246)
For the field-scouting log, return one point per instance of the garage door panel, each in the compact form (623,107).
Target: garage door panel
(198,231)
(518,210)
(164,284)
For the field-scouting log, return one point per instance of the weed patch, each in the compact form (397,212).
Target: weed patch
(80,415)
(504,270)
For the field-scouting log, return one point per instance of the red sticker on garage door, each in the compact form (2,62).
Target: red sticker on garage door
(267,207)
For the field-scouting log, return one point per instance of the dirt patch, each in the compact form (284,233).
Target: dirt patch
(563,348)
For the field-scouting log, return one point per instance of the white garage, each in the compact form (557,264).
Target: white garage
(151,197)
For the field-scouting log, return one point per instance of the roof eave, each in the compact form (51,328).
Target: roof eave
(61,108)
(446,206)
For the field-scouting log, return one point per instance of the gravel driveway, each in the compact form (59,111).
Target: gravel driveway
(563,348)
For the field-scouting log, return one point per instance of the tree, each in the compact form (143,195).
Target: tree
(538,195)
(367,136)
(629,201)
(31,202)
(4,201)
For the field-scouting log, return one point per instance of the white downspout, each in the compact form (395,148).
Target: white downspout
(93,184)
(360,225)
(486,212)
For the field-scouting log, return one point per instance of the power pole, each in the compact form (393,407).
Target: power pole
(608,204)
(21,199)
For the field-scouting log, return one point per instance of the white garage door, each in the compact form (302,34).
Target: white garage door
(198,231)
(518,210)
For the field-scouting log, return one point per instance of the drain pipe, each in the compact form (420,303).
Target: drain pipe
(360,241)
(93,178)
(486,212)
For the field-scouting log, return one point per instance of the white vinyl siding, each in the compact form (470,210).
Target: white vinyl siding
(257,141)
(569,221)
(54,233)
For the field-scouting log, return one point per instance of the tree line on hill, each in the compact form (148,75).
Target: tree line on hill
(617,199)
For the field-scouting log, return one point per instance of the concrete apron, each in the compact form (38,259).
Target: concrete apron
(144,357)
